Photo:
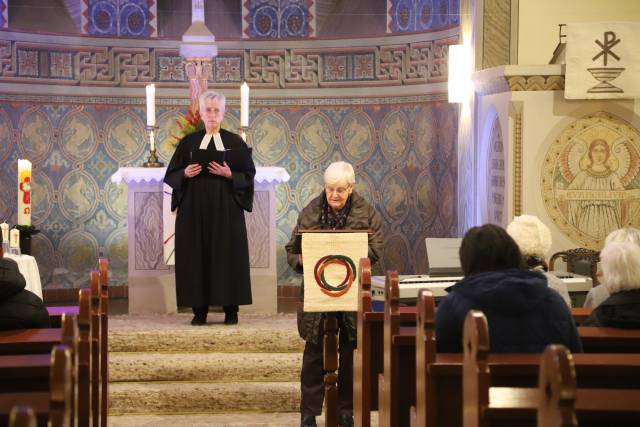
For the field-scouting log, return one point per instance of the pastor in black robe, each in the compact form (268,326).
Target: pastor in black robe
(211,248)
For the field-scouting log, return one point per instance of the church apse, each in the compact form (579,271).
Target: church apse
(403,150)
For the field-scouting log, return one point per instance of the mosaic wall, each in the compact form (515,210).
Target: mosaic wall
(129,18)
(406,16)
(591,178)
(4,14)
(403,149)
(397,64)
(278,19)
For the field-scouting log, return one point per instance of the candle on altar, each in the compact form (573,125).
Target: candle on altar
(4,228)
(151,105)
(244,105)
(14,240)
(152,142)
(24,192)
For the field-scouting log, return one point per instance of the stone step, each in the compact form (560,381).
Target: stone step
(211,367)
(173,333)
(197,398)
(257,419)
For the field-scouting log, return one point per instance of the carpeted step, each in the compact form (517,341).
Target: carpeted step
(173,333)
(257,419)
(185,398)
(213,367)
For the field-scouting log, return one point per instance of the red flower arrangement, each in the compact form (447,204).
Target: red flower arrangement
(187,124)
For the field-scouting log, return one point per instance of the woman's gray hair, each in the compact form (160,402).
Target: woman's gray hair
(532,235)
(338,172)
(211,95)
(620,262)
(627,234)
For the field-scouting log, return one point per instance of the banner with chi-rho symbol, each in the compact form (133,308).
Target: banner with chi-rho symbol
(603,60)
(330,263)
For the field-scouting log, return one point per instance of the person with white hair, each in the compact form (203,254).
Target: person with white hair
(620,263)
(534,240)
(599,294)
(338,207)
(211,245)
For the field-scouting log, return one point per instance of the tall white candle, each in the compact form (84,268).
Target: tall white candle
(24,192)
(244,105)
(152,141)
(14,241)
(151,105)
(4,227)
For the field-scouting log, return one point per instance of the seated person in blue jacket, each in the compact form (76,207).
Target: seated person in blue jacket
(19,308)
(620,263)
(523,313)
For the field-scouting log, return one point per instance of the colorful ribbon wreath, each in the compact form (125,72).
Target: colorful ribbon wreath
(342,288)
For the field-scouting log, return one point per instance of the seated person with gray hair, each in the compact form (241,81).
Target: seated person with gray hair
(19,308)
(600,293)
(338,207)
(534,240)
(620,263)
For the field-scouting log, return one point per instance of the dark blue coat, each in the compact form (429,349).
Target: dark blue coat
(19,308)
(523,313)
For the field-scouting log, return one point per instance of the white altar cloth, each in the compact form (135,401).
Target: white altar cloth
(29,269)
(264,174)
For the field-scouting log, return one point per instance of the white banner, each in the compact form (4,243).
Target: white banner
(603,60)
(330,263)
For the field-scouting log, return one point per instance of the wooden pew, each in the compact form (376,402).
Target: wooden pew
(99,283)
(580,314)
(52,408)
(95,348)
(84,359)
(30,372)
(103,266)
(423,413)
(362,371)
(22,416)
(396,385)
(609,340)
(489,405)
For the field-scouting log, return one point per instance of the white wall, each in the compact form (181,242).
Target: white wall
(539,19)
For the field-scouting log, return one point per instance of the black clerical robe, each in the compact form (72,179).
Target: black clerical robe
(211,248)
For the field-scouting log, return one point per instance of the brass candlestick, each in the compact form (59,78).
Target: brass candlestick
(152,160)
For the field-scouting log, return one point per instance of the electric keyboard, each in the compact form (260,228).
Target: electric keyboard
(409,285)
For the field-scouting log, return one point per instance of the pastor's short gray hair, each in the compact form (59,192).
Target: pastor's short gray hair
(211,95)
(339,172)
(620,262)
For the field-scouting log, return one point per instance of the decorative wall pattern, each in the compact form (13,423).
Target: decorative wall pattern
(405,16)
(496,178)
(403,149)
(591,178)
(394,65)
(496,33)
(278,19)
(4,13)
(130,18)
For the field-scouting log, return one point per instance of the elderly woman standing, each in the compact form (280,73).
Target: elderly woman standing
(338,207)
